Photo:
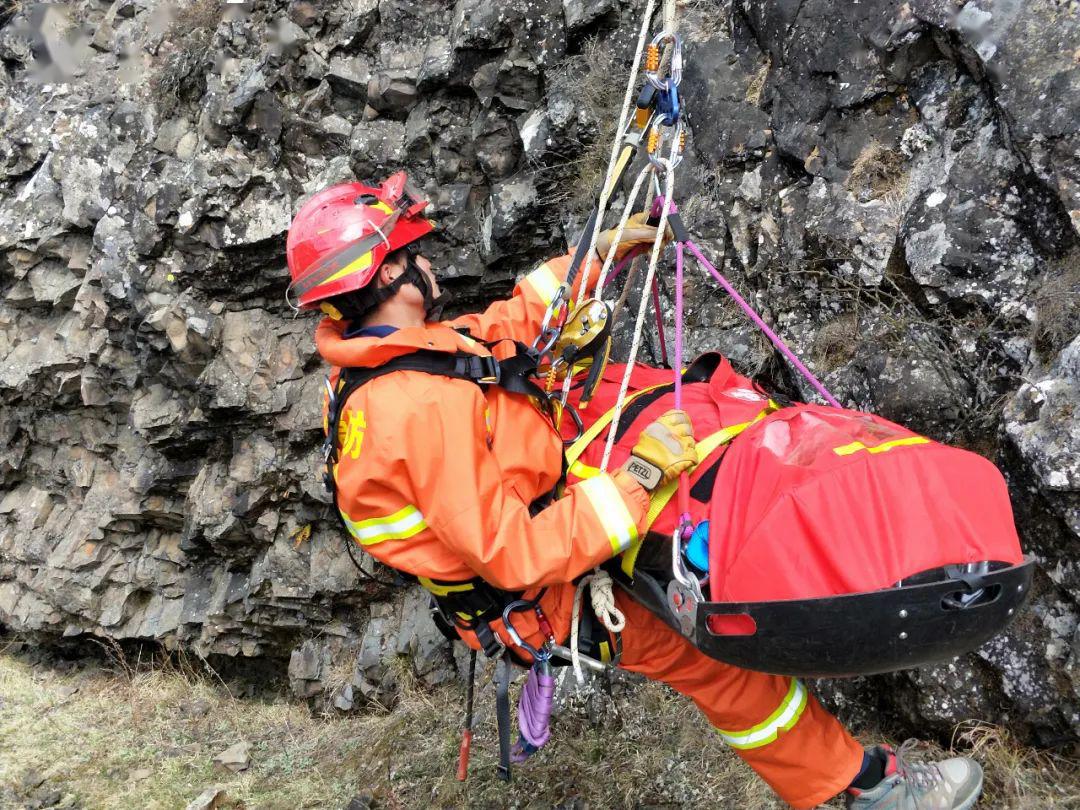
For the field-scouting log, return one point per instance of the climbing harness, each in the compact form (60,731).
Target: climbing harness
(472,605)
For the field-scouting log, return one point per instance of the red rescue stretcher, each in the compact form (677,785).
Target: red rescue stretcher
(838,543)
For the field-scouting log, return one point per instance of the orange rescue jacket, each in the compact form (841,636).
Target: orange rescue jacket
(435,475)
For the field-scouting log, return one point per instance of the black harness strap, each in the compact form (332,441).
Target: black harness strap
(502,715)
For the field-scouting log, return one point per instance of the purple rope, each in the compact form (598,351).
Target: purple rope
(618,268)
(659,319)
(772,336)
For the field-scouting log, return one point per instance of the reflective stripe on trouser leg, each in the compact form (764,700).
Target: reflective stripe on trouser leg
(808,763)
(787,714)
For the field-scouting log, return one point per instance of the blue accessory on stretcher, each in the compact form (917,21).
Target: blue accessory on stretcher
(697,548)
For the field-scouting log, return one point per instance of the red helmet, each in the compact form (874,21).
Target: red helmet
(341,236)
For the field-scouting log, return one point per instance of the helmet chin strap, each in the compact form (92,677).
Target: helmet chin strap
(433,304)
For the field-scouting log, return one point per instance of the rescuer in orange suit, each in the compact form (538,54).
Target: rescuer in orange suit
(450,482)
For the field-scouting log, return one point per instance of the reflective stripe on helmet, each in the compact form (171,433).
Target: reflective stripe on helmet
(403,524)
(784,718)
(606,500)
(356,256)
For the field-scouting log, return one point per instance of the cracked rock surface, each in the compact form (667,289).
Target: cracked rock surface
(896,185)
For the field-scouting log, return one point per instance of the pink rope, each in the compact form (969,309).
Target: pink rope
(625,260)
(684,478)
(678,323)
(772,336)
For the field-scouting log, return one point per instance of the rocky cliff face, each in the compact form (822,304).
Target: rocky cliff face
(897,185)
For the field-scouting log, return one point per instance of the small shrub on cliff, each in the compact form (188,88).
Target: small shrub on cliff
(594,83)
(189,38)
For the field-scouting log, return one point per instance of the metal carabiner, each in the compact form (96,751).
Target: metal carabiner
(675,69)
(546,330)
(515,637)
(678,568)
(579,426)
(673,155)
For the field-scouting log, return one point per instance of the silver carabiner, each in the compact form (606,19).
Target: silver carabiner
(546,331)
(678,568)
(676,66)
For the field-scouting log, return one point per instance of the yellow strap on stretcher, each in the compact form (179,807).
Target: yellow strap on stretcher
(574,451)
(662,497)
(664,494)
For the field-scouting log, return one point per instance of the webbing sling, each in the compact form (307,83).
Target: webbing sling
(664,494)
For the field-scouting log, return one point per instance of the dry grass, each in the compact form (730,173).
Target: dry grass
(757,83)
(1057,306)
(593,81)
(835,342)
(877,172)
(648,748)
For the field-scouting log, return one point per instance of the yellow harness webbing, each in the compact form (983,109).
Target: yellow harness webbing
(662,496)
(574,451)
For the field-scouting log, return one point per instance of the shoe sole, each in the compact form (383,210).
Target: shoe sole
(972,801)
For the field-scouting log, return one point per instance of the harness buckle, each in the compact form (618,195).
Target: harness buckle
(491,644)
(485,370)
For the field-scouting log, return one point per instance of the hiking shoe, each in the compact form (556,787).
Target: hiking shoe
(951,784)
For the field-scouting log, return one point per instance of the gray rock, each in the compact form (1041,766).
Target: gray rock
(579,13)
(899,194)
(1043,422)
(349,76)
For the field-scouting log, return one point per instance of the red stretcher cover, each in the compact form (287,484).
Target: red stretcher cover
(811,501)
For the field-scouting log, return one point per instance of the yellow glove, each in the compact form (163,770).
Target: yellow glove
(664,449)
(638,231)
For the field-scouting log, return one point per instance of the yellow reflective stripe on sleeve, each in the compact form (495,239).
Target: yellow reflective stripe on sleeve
(855,447)
(544,283)
(402,524)
(608,504)
(786,715)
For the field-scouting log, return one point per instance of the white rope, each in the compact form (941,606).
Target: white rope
(624,116)
(601,587)
(669,16)
(669,189)
(602,595)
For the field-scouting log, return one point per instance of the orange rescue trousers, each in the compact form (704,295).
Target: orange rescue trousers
(772,722)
